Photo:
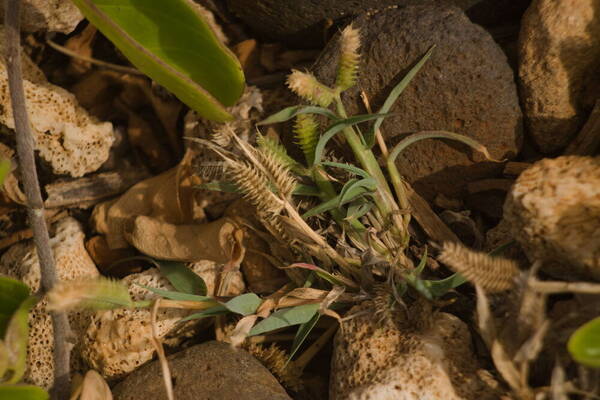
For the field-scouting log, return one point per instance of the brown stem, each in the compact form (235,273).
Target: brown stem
(35,205)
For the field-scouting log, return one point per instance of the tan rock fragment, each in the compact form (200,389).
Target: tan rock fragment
(119,341)
(72,262)
(49,15)
(559,54)
(395,360)
(71,140)
(554,213)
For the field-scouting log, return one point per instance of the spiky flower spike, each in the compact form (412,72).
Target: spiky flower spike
(493,274)
(349,58)
(97,294)
(306,129)
(310,89)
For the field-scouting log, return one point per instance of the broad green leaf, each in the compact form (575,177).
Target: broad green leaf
(302,334)
(210,312)
(182,278)
(3,359)
(337,127)
(285,317)
(348,167)
(290,112)
(12,294)
(584,344)
(170,41)
(5,166)
(244,304)
(22,392)
(393,96)
(168,294)
(352,190)
(17,336)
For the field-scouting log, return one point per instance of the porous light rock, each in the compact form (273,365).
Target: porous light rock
(559,52)
(554,213)
(72,262)
(48,15)
(119,341)
(390,359)
(66,136)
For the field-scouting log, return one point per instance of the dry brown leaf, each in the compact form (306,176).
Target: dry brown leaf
(242,328)
(81,44)
(168,197)
(219,241)
(94,387)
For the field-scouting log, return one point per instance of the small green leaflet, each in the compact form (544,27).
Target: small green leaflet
(182,278)
(284,318)
(244,304)
(170,41)
(584,344)
(16,338)
(290,112)
(12,295)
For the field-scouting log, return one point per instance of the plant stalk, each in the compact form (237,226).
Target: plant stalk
(35,205)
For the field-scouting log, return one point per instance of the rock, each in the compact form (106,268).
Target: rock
(211,370)
(67,137)
(559,62)
(49,15)
(465,87)
(72,262)
(553,211)
(303,23)
(391,359)
(118,341)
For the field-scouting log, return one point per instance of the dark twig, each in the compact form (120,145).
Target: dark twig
(35,207)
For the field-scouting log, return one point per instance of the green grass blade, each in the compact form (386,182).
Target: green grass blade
(182,278)
(290,112)
(394,94)
(348,167)
(302,333)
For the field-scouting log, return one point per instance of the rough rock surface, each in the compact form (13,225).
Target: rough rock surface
(71,140)
(559,64)
(49,15)
(394,359)
(303,23)
(554,213)
(211,370)
(72,262)
(119,341)
(465,87)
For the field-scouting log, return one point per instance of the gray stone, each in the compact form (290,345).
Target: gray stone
(48,15)
(466,87)
(304,23)
(209,371)
(559,53)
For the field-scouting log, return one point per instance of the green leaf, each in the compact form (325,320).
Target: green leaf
(441,287)
(209,312)
(354,188)
(348,167)
(290,112)
(170,41)
(284,318)
(5,167)
(22,392)
(422,263)
(306,190)
(17,336)
(168,294)
(393,96)
(244,304)
(302,334)
(358,208)
(3,359)
(182,278)
(12,294)
(335,280)
(337,127)
(584,344)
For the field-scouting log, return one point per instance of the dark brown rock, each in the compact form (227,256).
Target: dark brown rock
(304,23)
(208,371)
(466,87)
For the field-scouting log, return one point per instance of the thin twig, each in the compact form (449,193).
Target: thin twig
(100,63)
(378,135)
(160,351)
(35,205)
(553,287)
